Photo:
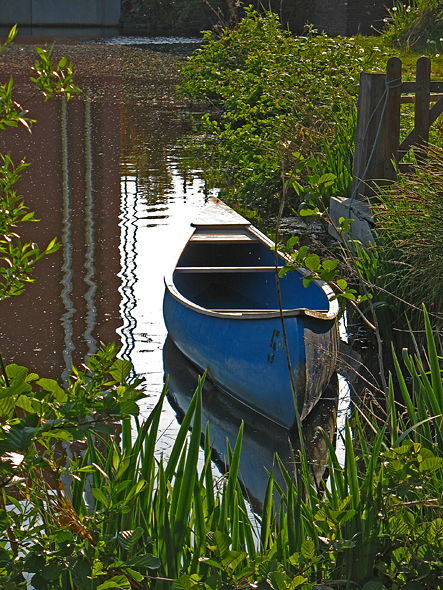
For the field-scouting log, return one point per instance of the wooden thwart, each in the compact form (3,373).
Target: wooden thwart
(224,269)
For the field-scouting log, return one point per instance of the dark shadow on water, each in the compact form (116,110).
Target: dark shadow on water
(262,438)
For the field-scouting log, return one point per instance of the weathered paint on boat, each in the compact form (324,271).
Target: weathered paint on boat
(221,310)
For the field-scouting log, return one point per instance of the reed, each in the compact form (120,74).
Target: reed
(129,520)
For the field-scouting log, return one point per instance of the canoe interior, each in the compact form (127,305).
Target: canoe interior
(227,253)
(209,283)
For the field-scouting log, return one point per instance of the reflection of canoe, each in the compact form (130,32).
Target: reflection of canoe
(221,309)
(262,438)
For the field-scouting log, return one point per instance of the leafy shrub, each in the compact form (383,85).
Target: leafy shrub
(276,95)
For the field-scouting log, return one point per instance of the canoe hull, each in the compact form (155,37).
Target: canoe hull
(246,356)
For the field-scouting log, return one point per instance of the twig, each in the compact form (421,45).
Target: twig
(280,306)
(3,370)
(371,305)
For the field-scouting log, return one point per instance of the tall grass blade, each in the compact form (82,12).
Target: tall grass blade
(189,475)
(266,518)
(182,433)
(403,388)
(247,527)
(234,463)
(209,480)
(351,467)
(437,384)
(392,411)
(335,470)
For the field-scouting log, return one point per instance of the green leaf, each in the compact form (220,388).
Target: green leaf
(14,371)
(313,262)
(307,212)
(7,407)
(100,496)
(19,438)
(398,526)
(430,465)
(148,560)
(121,370)
(34,563)
(302,253)
(232,559)
(218,542)
(115,582)
(186,582)
(24,403)
(61,434)
(52,572)
(292,241)
(134,574)
(327,179)
(16,389)
(52,247)
(345,224)
(342,284)
(129,408)
(308,550)
(97,569)
(128,539)
(297,582)
(330,264)
(51,386)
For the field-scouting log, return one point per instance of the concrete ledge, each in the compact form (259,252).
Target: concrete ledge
(60,12)
(360,212)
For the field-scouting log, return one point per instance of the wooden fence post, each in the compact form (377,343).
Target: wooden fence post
(393,79)
(369,160)
(422,94)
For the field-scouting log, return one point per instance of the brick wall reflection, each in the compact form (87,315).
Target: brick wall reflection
(73,186)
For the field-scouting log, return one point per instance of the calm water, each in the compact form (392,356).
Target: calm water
(108,179)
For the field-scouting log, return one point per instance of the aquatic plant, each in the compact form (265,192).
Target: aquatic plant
(114,516)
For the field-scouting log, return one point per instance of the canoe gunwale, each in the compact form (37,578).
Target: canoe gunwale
(326,315)
(240,315)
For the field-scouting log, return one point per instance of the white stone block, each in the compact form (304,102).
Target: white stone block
(360,212)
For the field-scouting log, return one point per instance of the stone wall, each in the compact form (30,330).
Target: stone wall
(349,17)
(104,13)
(335,17)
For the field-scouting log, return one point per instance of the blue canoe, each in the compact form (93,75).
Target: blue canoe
(221,310)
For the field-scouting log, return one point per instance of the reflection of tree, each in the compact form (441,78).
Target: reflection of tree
(152,119)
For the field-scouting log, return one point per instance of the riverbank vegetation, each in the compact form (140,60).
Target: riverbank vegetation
(115,517)
(275,97)
(85,504)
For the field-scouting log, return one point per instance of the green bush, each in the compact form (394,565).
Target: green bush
(275,95)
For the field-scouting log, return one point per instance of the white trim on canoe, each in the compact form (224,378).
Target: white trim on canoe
(219,223)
